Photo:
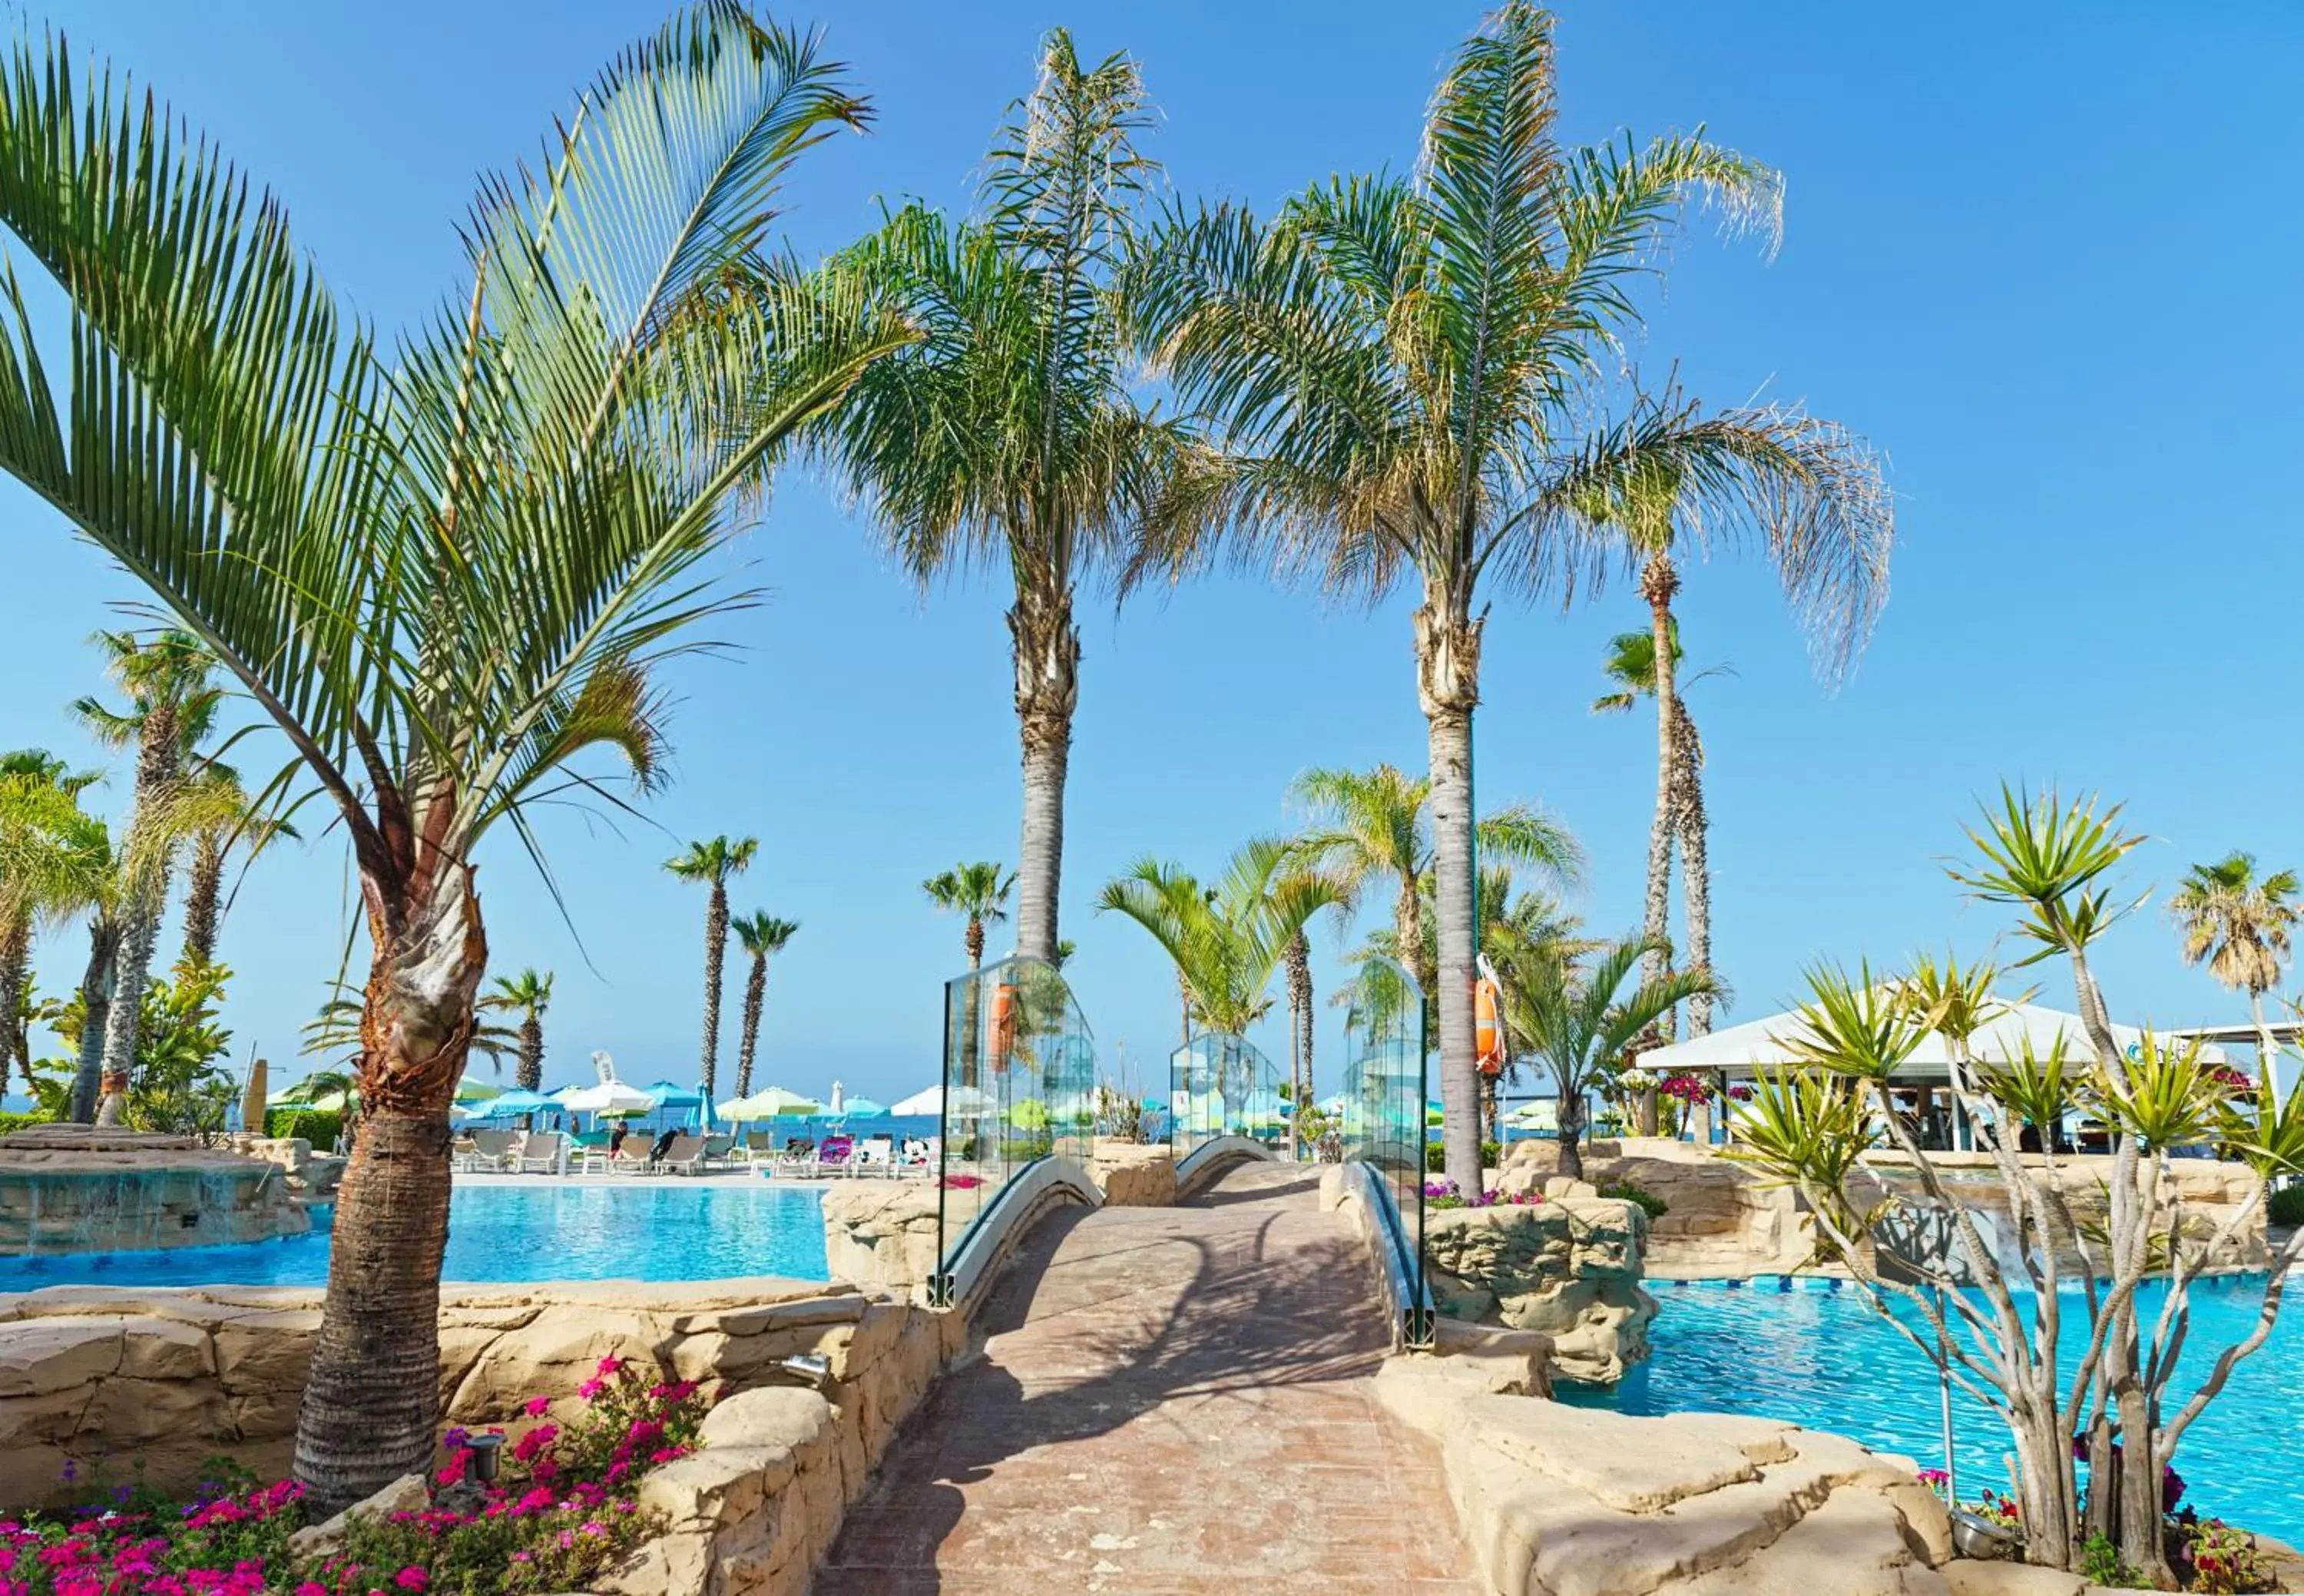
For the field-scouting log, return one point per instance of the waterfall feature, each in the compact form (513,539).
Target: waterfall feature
(69,1188)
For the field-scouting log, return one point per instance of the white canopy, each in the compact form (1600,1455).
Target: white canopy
(1761,1044)
(966,1100)
(609,1096)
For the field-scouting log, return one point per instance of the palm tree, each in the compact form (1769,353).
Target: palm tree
(1009,433)
(2238,926)
(1679,816)
(55,861)
(443,578)
(1577,1020)
(233,817)
(528,995)
(1299,1030)
(1413,373)
(1228,939)
(760,935)
(1376,826)
(172,701)
(979,891)
(713,863)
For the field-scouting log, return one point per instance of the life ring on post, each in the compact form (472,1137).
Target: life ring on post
(1487,1030)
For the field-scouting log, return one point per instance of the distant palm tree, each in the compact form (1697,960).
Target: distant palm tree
(172,701)
(980,892)
(1226,940)
(234,819)
(1680,814)
(760,935)
(528,995)
(1577,1020)
(1300,1031)
(1009,435)
(2238,926)
(55,862)
(713,863)
(1415,377)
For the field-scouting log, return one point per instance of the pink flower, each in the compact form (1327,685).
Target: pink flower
(538,1407)
(454,1470)
(526,1448)
(311,1587)
(591,1388)
(412,1578)
(611,1366)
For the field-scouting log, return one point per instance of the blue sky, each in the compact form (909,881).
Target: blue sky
(2041,254)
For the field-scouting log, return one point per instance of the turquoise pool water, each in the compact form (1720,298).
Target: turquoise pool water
(1823,1359)
(655,1230)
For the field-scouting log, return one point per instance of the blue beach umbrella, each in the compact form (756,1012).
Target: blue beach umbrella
(862,1108)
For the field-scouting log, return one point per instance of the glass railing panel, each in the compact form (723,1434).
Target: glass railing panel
(1385,1089)
(1018,1085)
(1220,1084)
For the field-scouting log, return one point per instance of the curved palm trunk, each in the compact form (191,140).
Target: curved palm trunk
(158,755)
(96,995)
(530,1077)
(1690,824)
(372,1403)
(1046,648)
(1448,673)
(756,989)
(1659,582)
(715,954)
(1571,1116)
(203,899)
(15,976)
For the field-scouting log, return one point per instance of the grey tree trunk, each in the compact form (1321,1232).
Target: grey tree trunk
(158,757)
(1047,651)
(15,975)
(203,899)
(96,993)
(756,991)
(1448,673)
(1690,824)
(715,954)
(1659,582)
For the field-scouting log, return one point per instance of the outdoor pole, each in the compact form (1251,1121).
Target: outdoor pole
(1943,1375)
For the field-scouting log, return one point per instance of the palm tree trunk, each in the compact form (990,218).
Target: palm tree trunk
(372,1402)
(531,1075)
(1659,582)
(203,896)
(1184,1008)
(1046,648)
(1571,1116)
(1408,932)
(96,993)
(1448,670)
(715,954)
(15,975)
(974,941)
(159,751)
(756,988)
(1691,825)
(1300,1034)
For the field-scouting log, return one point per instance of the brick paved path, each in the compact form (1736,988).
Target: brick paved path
(1170,1400)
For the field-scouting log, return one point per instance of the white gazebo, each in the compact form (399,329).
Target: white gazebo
(1741,1050)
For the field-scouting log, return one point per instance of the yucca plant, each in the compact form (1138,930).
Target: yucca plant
(443,573)
(1809,1130)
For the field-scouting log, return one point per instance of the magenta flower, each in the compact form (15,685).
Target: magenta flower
(412,1578)
(538,1407)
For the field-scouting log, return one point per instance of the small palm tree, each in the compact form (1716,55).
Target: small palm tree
(760,935)
(2238,925)
(1680,813)
(55,862)
(528,995)
(1577,1020)
(172,701)
(978,891)
(1414,377)
(713,863)
(1009,435)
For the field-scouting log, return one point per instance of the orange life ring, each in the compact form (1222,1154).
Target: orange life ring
(1004,1020)
(1487,1033)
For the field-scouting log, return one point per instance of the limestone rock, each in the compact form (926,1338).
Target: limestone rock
(881,1233)
(1568,1268)
(1133,1174)
(406,1494)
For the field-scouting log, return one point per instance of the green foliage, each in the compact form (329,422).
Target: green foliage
(178,1085)
(1436,1156)
(1227,938)
(2286,1206)
(1861,1029)
(16,1122)
(2225,1560)
(2268,1136)
(1808,1128)
(2169,1099)
(2045,857)
(323,1128)
(2032,1089)
(2102,1563)
(1638,1196)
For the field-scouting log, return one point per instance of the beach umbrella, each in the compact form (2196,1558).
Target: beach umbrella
(1543,1114)
(608,1097)
(775,1102)
(471,1090)
(251,1103)
(1029,1113)
(862,1108)
(930,1101)
(1333,1105)
(1154,1106)
(667,1094)
(518,1100)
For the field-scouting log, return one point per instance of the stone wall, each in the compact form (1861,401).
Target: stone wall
(75,1188)
(169,1379)
(1568,1267)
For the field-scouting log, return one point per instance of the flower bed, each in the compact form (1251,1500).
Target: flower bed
(1443,1195)
(559,1510)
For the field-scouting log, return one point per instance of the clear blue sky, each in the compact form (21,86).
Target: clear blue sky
(2044,255)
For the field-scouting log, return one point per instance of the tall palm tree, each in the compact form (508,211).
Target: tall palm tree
(1299,1030)
(1680,814)
(1009,433)
(55,861)
(1226,940)
(1371,827)
(232,820)
(172,701)
(443,577)
(713,863)
(528,995)
(760,935)
(1577,1020)
(2238,925)
(1413,375)
(978,892)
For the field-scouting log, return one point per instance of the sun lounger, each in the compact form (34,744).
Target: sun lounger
(685,1156)
(835,1156)
(540,1153)
(488,1150)
(877,1156)
(797,1161)
(719,1152)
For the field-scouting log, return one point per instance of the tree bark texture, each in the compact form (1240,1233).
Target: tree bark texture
(372,1403)
(973,940)
(1448,674)
(15,976)
(1047,651)
(203,899)
(1300,1033)
(756,991)
(158,756)
(1658,584)
(1691,825)
(716,956)
(96,993)
(529,1076)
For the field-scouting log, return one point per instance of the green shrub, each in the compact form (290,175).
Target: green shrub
(1638,1196)
(1436,1156)
(323,1128)
(17,1122)
(2102,1563)
(2287,1205)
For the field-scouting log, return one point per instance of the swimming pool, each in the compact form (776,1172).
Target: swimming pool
(1823,1359)
(655,1230)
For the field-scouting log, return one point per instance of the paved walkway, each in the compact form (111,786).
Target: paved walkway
(1170,1400)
